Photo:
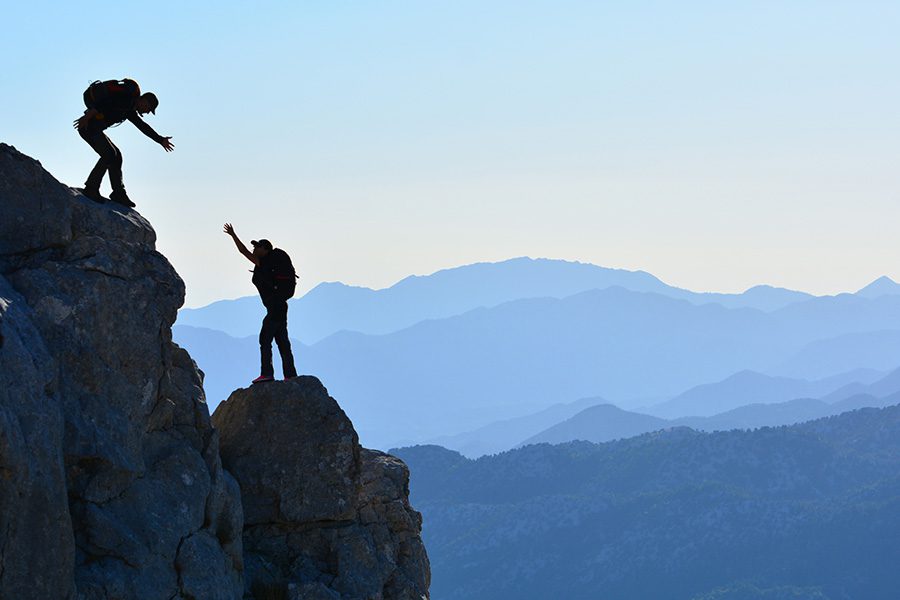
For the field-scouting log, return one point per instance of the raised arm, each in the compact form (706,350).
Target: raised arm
(145,128)
(240,245)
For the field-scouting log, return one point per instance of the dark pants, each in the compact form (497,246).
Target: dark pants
(274,326)
(110,160)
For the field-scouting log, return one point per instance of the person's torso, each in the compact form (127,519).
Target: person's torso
(273,267)
(116,102)
(264,277)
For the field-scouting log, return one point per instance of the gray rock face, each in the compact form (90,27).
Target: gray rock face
(287,475)
(111,485)
(324,518)
(37,548)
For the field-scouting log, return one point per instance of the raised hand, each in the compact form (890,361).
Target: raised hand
(167,144)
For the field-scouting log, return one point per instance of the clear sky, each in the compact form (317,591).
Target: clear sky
(715,144)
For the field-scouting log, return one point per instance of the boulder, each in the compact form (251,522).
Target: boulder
(324,518)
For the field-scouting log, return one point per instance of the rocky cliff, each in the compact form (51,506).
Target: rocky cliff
(111,477)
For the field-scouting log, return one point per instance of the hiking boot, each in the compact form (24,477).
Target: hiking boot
(93,194)
(263,379)
(120,197)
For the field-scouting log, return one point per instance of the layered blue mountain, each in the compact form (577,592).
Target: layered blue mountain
(605,423)
(883,286)
(749,387)
(508,433)
(807,512)
(332,307)
(601,423)
(872,348)
(445,376)
(878,388)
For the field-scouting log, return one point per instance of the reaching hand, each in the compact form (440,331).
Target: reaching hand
(168,145)
(81,122)
(229,230)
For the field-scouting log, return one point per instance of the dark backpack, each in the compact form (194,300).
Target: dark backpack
(284,275)
(98,92)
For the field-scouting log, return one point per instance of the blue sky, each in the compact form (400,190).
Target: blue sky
(716,145)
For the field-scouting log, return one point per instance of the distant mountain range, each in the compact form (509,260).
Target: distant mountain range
(450,375)
(879,387)
(605,422)
(595,420)
(601,423)
(509,433)
(332,307)
(749,387)
(462,348)
(872,349)
(807,512)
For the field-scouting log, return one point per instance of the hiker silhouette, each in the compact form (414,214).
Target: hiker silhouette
(109,103)
(276,280)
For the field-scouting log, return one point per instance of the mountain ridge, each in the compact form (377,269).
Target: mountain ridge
(806,511)
(334,306)
(524,355)
(599,424)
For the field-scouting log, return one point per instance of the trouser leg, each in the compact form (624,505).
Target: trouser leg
(115,169)
(266,335)
(274,327)
(284,342)
(110,159)
(96,140)
(96,175)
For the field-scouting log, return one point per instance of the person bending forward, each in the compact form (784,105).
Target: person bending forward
(109,103)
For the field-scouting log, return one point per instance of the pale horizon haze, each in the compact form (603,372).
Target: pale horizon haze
(715,145)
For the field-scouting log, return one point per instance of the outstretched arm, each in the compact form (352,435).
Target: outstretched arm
(145,128)
(240,245)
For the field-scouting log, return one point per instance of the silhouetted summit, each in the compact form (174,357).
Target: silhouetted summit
(883,286)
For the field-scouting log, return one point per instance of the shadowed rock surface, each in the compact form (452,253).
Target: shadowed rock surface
(111,481)
(324,518)
(121,493)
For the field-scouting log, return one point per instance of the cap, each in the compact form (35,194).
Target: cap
(154,101)
(264,243)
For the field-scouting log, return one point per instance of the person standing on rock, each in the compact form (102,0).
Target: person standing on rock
(276,280)
(109,103)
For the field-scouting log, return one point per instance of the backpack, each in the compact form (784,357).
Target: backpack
(99,91)
(284,275)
